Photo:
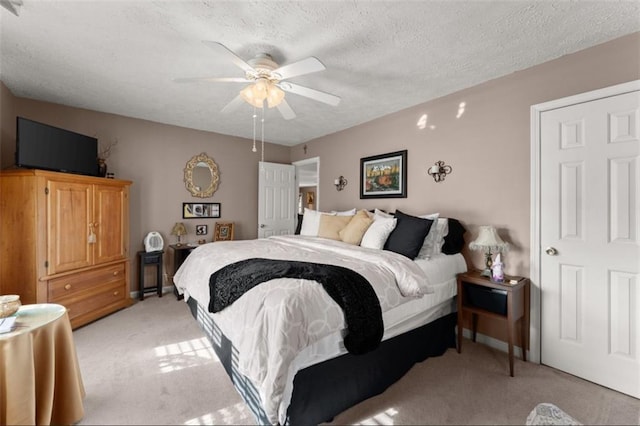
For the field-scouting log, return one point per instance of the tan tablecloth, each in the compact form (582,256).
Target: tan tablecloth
(40,381)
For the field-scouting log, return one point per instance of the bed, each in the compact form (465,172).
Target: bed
(282,342)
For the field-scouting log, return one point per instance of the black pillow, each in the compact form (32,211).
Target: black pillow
(299,225)
(454,240)
(408,235)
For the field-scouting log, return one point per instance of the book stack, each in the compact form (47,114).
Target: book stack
(512,279)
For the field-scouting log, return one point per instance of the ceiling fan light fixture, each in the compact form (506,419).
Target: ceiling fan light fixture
(261,88)
(275,96)
(255,94)
(251,95)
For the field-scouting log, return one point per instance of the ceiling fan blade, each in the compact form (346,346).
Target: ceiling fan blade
(211,79)
(314,94)
(305,66)
(239,62)
(285,110)
(233,105)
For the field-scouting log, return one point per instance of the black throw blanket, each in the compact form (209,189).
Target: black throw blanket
(351,291)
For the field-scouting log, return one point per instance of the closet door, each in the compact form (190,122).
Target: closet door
(69,213)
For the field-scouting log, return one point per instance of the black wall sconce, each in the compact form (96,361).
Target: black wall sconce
(439,171)
(340,183)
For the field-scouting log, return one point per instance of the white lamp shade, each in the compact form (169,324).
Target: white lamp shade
(488,239)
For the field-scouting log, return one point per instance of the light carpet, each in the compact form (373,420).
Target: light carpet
(151,364)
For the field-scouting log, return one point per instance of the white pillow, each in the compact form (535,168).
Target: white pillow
(443,231)
(432,216)
(428,246)
(378,232)
(351,212)
(434,240)
(311,222)
(380,213)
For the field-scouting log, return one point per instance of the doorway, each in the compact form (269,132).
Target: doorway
(307,183)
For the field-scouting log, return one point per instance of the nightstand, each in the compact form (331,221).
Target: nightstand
(480,296)
(180,253)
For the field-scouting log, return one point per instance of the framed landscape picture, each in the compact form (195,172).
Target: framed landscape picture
(384,176)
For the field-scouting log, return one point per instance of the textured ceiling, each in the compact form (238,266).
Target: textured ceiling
(121,57)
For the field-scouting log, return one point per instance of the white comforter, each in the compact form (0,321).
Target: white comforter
(271,324)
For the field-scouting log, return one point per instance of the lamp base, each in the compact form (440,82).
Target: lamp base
(488,262)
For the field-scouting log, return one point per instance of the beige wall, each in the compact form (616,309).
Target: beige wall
(488,146)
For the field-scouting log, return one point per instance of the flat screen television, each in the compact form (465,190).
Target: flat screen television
(40,146)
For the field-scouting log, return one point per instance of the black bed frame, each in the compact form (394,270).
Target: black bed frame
(326,389)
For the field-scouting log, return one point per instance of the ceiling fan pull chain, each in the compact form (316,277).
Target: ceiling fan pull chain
(254,130)
(262,135)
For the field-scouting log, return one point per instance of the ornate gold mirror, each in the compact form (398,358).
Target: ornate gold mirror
(201,176)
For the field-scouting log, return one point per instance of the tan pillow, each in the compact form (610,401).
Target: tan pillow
(355,229)
(330,226)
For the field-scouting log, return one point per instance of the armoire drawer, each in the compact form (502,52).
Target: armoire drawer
(104,295)
(71,285)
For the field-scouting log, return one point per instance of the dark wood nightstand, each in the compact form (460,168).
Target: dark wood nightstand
(507,302)
(180,253)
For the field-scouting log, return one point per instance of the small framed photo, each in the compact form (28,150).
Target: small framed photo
(202,229)
(384,176)
(223,231)
(200,210)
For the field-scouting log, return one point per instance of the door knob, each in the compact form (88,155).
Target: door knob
(262,225)
(551,251)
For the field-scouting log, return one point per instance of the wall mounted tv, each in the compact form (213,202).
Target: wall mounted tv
(40,146)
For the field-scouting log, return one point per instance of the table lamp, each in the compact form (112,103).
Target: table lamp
(488,240)
(179,229)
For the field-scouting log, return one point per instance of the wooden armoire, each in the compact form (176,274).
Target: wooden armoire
(64,238)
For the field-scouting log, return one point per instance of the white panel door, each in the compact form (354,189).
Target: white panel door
(589,234)
(276,199)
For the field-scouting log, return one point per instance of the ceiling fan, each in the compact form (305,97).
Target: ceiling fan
(267,81)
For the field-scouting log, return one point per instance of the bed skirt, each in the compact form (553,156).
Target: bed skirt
(326,389)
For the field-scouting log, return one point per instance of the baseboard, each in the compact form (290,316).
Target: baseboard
(494,343)
(165,289)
